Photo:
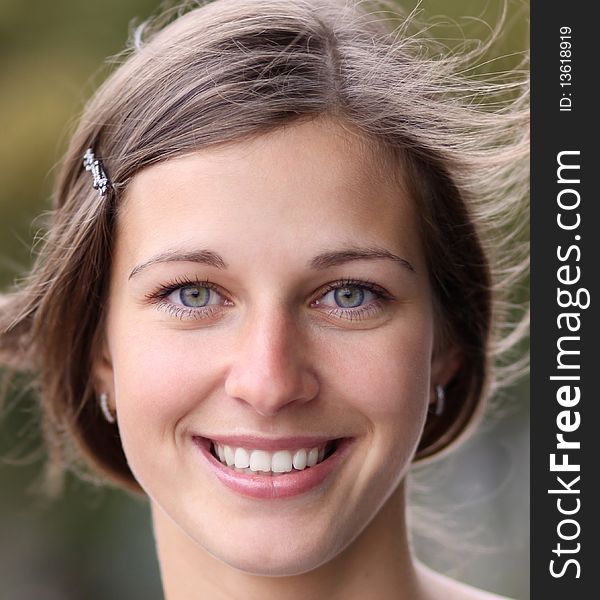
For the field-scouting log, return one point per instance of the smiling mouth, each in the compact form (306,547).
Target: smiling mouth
(266,463)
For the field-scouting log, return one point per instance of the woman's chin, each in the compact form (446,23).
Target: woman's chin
(285,565)
(278,558)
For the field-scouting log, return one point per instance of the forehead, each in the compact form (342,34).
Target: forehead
(307,185)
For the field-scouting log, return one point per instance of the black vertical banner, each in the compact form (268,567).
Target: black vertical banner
(565,336)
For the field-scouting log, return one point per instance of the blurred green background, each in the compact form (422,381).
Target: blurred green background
(472,510)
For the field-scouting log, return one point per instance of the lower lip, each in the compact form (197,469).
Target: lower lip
(269,487)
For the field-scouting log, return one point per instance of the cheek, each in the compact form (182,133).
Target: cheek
(160,381)
(384,380)
(161,376)
(386,372)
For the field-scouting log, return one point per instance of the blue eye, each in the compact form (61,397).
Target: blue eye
(348,296)
(194,296)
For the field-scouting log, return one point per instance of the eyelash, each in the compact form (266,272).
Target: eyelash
(382,297)
(161,294)
(160,297)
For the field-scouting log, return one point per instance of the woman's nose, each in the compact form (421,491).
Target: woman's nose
(271,365)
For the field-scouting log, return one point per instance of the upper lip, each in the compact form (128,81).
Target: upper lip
(280,443)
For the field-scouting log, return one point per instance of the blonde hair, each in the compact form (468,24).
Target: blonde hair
(233,69)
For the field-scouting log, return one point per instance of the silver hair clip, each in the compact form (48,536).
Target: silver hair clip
(92,164)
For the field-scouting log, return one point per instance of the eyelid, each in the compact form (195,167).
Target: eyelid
(371,286)
(365,300)
(175,296)
(165,290)
(373,309)
(160,298)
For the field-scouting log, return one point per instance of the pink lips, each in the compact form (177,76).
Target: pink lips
(280,486)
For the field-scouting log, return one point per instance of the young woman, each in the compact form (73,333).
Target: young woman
(270,287)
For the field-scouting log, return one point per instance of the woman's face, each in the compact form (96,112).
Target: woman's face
(272,297)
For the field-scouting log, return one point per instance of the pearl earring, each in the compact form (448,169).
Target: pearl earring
(106,411)
(440,401)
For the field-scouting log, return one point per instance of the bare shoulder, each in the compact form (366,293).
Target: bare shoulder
(437,587)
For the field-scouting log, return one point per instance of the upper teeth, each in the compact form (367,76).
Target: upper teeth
(280,461)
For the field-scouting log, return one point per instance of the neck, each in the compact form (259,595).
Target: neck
(378,565)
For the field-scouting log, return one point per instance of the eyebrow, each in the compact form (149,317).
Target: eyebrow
(324,260)
(206,257)
(340,257)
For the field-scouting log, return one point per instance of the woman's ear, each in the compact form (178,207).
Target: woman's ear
(447,411)
(444,365)
(102,369)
